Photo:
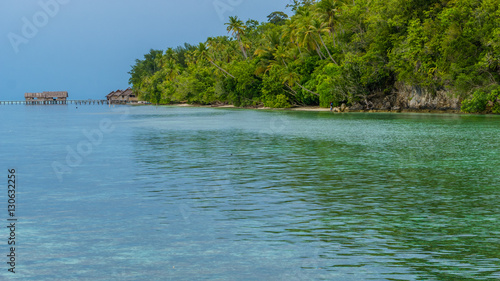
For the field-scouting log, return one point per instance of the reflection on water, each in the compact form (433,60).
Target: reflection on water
(364,196)
(199,193)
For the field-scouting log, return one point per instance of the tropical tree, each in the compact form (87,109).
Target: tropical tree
(328,12)
(202,53)
(307,33)
(342,50)
(320,27)
(237,27)
(277,18)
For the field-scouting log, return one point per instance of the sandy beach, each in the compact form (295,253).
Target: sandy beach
(322,109)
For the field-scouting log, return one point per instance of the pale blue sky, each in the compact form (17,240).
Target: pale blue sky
(86,47)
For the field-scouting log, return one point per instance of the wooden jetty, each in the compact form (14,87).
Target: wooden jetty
(53,102)
(61,97)
(50,98)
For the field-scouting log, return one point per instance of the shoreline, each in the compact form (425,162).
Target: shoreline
(323,109)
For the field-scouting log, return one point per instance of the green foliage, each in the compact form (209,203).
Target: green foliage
(279,101)
(297,4)
(272,87)
(477,103)
(482,101)
(335,51)
(277,18)
(329,80)
(494,101)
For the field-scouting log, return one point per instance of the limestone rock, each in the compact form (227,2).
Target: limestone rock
(386,106)
(356,106)
(416,97)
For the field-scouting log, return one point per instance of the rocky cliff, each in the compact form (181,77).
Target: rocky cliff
(412,98)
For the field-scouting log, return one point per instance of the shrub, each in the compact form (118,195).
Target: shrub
(482,101)
(494,98)
(477,103)
(279,101)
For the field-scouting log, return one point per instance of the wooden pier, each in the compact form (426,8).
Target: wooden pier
(54,102)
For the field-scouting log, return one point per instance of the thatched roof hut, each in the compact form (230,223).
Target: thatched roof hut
(60,95)
(113,94)
(120,96)
(127,93)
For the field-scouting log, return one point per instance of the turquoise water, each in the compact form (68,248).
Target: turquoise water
(167,193)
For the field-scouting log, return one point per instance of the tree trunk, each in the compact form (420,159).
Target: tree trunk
(241,46)
(298,47)
(318,52)
(306,89)
(284,62)
(221,69)
(328,51)
(294,94)
(291,89)
(319,49)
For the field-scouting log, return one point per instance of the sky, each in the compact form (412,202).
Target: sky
(87,47)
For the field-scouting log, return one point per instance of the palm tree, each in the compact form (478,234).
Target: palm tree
(202,52)
(306,33)
(281,54)
(320,27)
(291,78)
(328,11)
(308,40)
(221,48)
(264,53)
(172,70)
(237,27)
(290,33)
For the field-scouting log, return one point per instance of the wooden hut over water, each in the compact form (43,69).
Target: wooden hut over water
(59,97)
(111,96)
(122,97)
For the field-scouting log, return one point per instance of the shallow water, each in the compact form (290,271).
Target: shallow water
(169,193)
